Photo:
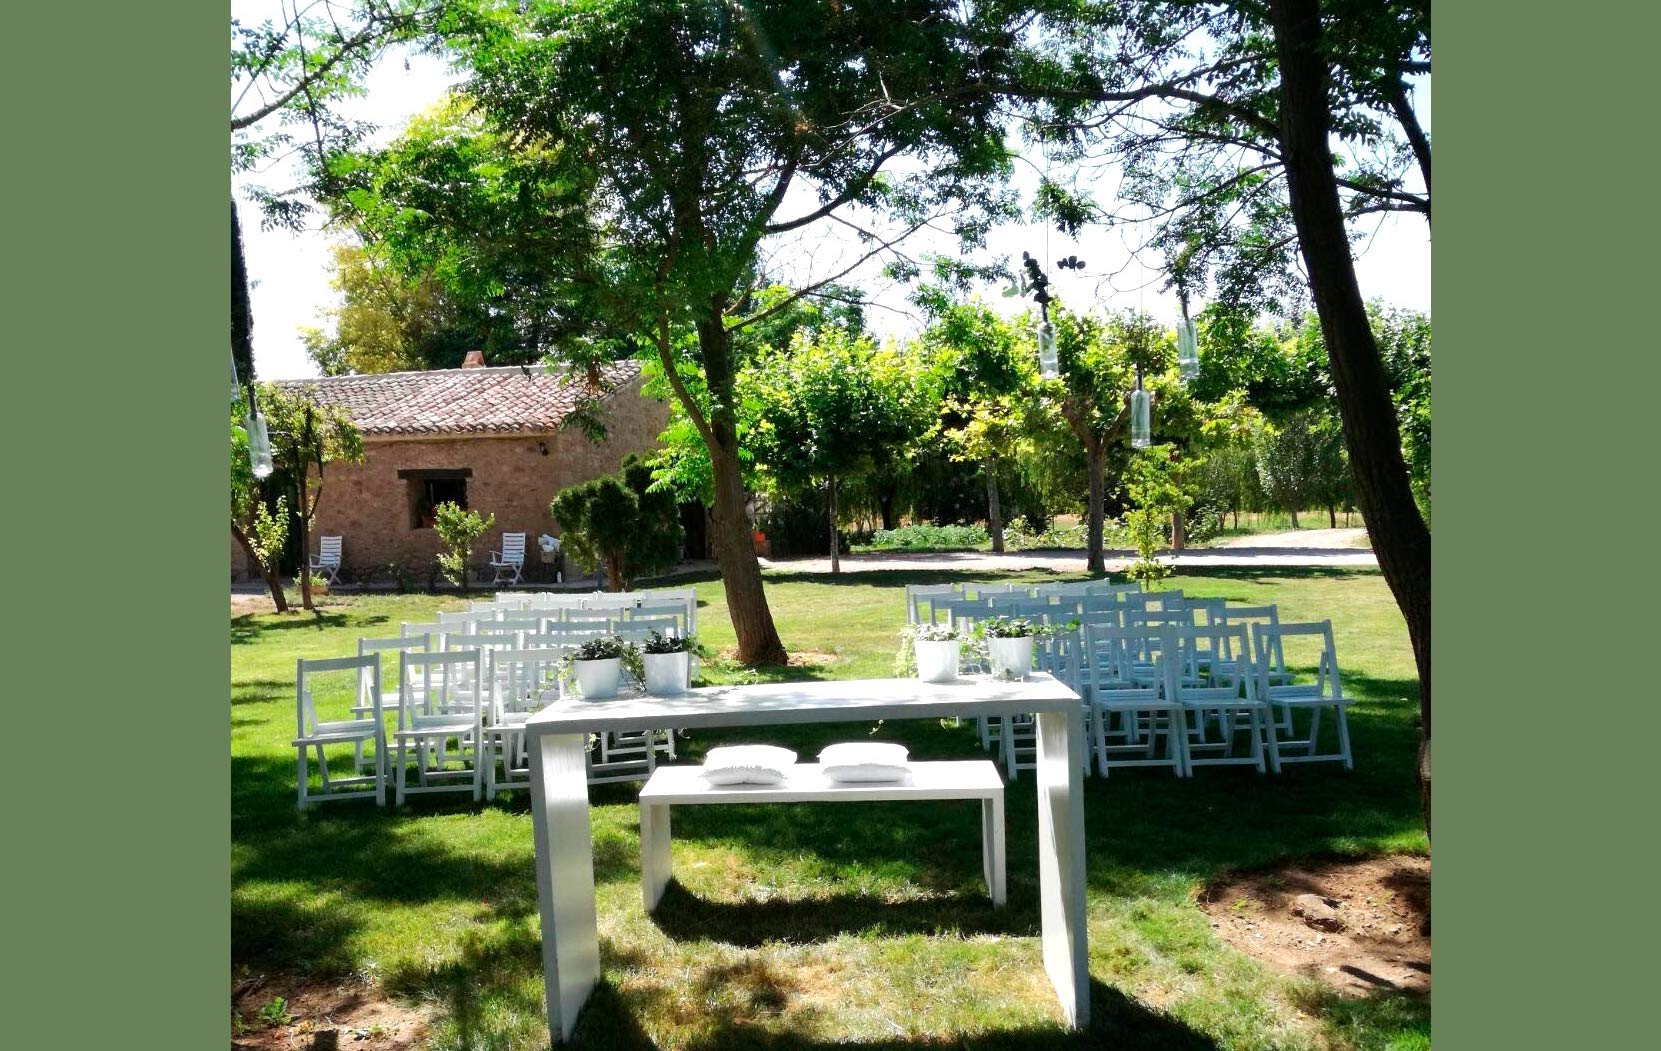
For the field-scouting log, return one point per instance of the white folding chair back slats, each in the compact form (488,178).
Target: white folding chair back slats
(314,732)
(389,698)
(919,595)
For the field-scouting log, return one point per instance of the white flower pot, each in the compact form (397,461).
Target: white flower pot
(596,679)
(937,660)
(668,673)
(1011,658)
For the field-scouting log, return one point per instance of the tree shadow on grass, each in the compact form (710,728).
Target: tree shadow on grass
(1117,1021)
(250,627)
(751,924)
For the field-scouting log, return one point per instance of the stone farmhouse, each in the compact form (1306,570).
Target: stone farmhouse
(498,440)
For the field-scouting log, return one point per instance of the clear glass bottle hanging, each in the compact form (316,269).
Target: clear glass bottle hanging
(1141,419)
(1049,366)
(1188,349)
(259,445)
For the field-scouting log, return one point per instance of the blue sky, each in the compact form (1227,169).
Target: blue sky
(290,272)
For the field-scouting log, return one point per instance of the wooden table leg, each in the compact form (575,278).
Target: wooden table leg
(564,876)
(1061,861)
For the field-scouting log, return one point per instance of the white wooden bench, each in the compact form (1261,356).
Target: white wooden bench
(804,783)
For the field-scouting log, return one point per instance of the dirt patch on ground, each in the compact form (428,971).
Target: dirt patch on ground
(245,604)
(320,1015)
(1358,926)
(798,658)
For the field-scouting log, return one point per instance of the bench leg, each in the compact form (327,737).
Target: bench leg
(654,853)
(992,847)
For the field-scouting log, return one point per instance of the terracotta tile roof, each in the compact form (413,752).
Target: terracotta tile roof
(497,400)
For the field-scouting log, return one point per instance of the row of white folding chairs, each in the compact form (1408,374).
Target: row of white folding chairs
(1181,682)
(474,695)
(920,595)
(511,603)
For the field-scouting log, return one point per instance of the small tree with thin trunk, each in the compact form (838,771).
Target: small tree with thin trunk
(259,529)
(306,436)
(458,529)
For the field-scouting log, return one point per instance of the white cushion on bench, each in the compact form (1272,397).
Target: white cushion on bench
(747,764)
(864,761)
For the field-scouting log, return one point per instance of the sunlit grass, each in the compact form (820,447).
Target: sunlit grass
(807,925)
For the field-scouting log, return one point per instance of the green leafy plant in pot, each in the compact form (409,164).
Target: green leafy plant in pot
(1009,645)
(933,651)
(597,666)
(666,662)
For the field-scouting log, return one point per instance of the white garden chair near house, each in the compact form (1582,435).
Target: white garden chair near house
(439,703)
(327,559)
(1327,691)
(1227,700)
(509,562)
(1129,714)
(315,733)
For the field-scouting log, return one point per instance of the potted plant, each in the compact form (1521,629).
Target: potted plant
(1009,643)
(666,662)
(937,648)
(597,665)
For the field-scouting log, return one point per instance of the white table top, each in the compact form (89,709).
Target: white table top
(777,704)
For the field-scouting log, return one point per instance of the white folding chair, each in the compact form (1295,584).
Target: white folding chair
(315,733)
(523,682)
(687,598)
(1117,691)
(327,559)
(1225,699)
(509,562)
(919,595)
(1327,691)
(439,702)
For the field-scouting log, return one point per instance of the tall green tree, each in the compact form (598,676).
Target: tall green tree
(686,126)
(306,436)
(1098,359)
(832,408)
(285,78)
(1224,116)
(260,529)
(983,376)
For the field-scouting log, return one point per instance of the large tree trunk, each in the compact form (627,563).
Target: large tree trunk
(885,503)
(273,582)
(735,551)
(836,553)
(242,316)
(1401,540)
(1095,455)
(1179,531)
(994,505)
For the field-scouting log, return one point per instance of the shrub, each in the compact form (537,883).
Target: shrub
(458,529)
(926,537)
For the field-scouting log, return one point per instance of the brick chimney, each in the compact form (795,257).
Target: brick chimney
(474,360)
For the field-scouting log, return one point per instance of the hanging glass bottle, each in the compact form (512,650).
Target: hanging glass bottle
(259,445)
(1141,418)
(236,384)
(1188,349)
(1049,366)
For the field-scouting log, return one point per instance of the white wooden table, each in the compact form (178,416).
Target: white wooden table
(557,738)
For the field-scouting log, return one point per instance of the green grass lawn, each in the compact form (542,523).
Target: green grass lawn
(808,926)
